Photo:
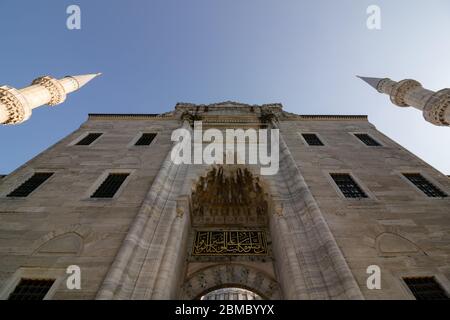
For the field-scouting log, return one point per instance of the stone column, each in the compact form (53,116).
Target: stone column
(167,282)
(311,251)
(135,271)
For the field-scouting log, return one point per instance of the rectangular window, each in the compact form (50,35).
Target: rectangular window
(424,185)
(31,184)
(348,186)
(146,139)
(110,186)
(89,139)
(367,140)
(426,288)
(312,139)
(29,289)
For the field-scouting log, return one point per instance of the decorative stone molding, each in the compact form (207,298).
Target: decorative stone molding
(74,81)
(77,229)
(226,105)
(436,107)
(382,83)
(58,95)
(235,275)
(267,116)
(191,117)
(182,206)
(283,116)
(401,89)
(391,244)
(180,212)
(16,106)
(323,117)
(69,244)
(228,108)
(279,211)
(114,116)
(229,195)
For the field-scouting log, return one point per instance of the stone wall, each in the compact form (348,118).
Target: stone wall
(61,207)
(397,228)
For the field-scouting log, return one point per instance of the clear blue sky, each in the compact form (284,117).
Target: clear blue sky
(156,53)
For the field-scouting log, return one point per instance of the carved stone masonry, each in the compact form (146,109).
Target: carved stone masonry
(229,196)
(401,89)
(437,107)
(58,95)
(17,109)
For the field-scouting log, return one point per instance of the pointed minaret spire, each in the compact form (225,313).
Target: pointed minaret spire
(373,82)
(16,105)
(435,106)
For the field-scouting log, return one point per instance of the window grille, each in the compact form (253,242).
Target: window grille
(426,288)
(367,140)
(312,139)
(424,185)
(29,289)
(348,186)
(110,186)
(31,184)
(89,139)
(146,139)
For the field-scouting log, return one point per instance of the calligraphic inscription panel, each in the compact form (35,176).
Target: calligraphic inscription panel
(231,243)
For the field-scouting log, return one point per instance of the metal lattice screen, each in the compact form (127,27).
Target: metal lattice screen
(426,288)
(30,289)
(89,139)
(424,185)
(110,186)
(312,139)
(31,184)
(146,139)
(367,140)
(348,186)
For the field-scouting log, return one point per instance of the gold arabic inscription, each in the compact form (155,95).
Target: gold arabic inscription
(211,243)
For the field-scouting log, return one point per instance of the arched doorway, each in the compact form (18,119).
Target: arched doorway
(229,244)
(220,276)
(231,293)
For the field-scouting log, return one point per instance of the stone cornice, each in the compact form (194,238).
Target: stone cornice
(227,104)
(227,112)
(127,116)
(331,117)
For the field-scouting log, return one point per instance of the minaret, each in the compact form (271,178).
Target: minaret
(16,105)
(405,93)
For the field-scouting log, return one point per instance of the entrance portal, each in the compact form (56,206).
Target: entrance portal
(229,247)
